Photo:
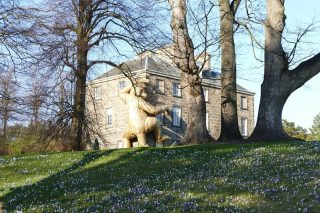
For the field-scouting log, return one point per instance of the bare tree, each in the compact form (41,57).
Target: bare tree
(8,100)
(36,96)
(229,115)
(75,29)
(279,81)
(184,59)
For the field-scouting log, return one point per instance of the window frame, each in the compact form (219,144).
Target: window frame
(244,128)
(109,121)
(177,86)
(173,116)
(97,93)
(158,89)
(242,105)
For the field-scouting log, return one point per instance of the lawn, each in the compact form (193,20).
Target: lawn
(261,177)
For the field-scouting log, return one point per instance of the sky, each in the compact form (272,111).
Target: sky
(304,104)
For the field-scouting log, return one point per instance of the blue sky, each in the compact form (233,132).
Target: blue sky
(303,105)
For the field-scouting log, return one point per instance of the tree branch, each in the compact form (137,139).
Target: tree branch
(305,71)
(234,6)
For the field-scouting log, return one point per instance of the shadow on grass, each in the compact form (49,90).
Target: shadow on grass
(224,178)
(209,178)
(55,187)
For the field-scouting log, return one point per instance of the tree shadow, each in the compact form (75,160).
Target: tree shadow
(208,178)
(55,187)
(243,180)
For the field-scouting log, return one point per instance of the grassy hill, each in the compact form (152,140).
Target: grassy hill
(273,177)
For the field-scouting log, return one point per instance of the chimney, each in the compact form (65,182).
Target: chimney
(206,59)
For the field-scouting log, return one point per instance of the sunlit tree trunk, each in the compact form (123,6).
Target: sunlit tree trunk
(279,82)
(193,98)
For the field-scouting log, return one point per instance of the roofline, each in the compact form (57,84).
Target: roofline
(155,72)
(113,77)
(203,83)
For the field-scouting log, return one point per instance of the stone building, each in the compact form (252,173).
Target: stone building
(109,113)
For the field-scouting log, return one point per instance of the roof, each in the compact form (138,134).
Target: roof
(163,67)
(133,65)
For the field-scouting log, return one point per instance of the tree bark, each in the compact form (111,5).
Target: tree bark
(78,119)
(229,116)
(193,97)
(279,82)
(82,44)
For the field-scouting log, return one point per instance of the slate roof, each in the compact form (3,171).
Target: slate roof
(160,66)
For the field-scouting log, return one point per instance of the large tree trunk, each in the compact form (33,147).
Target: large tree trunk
(82,43)
(78,119)
(279,82)
(269,123)
(193,98)
(194,103)
(229,116)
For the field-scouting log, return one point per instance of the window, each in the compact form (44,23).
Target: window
(206,95)
(109,117)
(160,86)
(244,126)
(97,93)
(176,90)
(122,84)
(244,102)
(207,120)
(176,116)
(160,118)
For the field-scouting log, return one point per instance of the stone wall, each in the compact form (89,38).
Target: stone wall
(111,136)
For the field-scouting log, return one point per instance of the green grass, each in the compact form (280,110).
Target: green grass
(273,177)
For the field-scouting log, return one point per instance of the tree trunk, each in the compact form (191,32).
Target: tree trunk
(193,97)
(82,43)
(7,107)
(36,116)
(78,118)
(269,123)
(194,102)
(5,127)
(229,116)
(279,82)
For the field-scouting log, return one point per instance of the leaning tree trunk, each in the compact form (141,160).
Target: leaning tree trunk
(193,97)
(229,116)
(279,82)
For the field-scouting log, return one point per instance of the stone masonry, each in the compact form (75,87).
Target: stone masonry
(103,100)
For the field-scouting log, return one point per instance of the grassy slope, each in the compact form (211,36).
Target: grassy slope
(276,177)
